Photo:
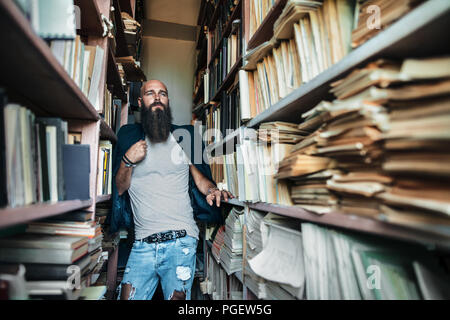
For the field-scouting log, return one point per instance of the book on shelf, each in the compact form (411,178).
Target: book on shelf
(52,19)
(42,255)
(88,229)
(33,152)
(76,169)
(104,175)
(3,168)
(227,57)
(83,64)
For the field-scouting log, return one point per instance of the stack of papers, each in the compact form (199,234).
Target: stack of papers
(231,253)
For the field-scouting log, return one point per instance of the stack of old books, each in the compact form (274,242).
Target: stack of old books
(386,137)
(376,15)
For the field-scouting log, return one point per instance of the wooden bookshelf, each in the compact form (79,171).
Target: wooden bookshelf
(91,20)
(113,77)
(30,70)
(415,32)
(20,215)
(128,6)
(226,31)
(229,79)
(357,223)
(121,44)
(265,30)
(215,15)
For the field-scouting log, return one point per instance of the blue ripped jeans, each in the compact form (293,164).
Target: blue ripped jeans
(171,262)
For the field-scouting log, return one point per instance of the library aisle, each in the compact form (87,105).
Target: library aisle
(328,120)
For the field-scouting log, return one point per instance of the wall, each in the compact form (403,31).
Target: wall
(172,62)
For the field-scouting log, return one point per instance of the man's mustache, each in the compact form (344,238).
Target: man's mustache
(158,103)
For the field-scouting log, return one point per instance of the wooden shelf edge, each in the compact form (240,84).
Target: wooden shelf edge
(102,198)
(91,20)
(15,216)
(375,47)
(356,223)
(228,138)
(106,133)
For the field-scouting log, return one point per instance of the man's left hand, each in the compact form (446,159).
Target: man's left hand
(217,195)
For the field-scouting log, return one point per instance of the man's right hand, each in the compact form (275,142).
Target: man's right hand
(137,151)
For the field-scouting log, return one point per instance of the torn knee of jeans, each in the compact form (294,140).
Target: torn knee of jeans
(178,295)
(127,291)
(183,273)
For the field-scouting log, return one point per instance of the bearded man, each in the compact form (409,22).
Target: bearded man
(159,192)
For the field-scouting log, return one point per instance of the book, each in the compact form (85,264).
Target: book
(47,271)
(76,169)
(39,241)
(34,255)
(56,148)
(54,19)
(3,173)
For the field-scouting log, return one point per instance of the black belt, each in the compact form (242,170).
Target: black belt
(165,236)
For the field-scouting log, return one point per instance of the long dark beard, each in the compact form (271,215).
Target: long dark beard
(156,124)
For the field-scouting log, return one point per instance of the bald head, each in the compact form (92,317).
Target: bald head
(146,86)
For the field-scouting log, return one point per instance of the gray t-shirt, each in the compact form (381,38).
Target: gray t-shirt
(159,191)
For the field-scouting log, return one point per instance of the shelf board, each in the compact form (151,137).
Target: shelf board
(229,79)
(226,31)
(113,77)
(234,202)
(223,144)
(106,133)
(265,30)
(14,216)
(132,71)
(199,108)
(356,223)
(30,70)
(415,33)
(102,198)
(91,20)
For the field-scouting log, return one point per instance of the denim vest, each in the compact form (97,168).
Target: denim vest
(121,215)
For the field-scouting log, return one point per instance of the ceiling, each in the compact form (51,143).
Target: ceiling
(174,11)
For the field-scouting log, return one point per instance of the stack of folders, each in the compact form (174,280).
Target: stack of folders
(253,247)
(231,253)
(56,267)
(345,266)
(380,147)
(280,262)
(377,15)
(257,163)
(403,144)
